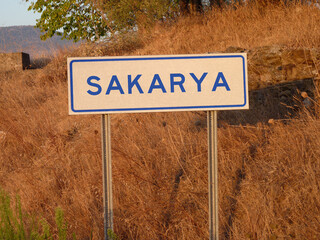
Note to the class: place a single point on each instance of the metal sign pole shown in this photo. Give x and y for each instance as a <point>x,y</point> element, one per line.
<point>213,175</point>
<point>106,174</point>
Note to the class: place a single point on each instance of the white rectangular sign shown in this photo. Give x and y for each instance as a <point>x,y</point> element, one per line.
<point>157,83</point>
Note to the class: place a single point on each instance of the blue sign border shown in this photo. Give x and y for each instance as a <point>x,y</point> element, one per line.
<point>156,108</point>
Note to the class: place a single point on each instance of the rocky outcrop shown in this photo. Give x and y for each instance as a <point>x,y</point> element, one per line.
<point>280,101</point>
<point>282,82</point>
<point>272,65</point>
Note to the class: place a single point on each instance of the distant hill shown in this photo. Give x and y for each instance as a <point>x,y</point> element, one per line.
<point>27,39</point>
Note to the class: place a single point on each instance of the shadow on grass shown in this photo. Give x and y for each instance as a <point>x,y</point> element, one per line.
<point>39,62</point>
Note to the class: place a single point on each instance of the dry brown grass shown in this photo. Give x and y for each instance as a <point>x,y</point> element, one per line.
<point>268,174</point>
<point>244,26</point>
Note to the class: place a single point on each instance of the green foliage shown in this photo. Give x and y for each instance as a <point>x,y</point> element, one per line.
<point>12,223</point>
<point>78,19</point>
<point>93,19</point>
<point>61,224</point>
<point>112,235</point>
<point>40,231</point>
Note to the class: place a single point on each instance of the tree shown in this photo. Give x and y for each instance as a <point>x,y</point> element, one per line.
<point>218,3</point>
<point>93,19</point>
<point>128,14</point>
<point>190,6</point>
<point>77,19</point>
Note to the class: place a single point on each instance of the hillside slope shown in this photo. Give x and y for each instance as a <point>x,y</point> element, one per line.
<point>269,173</point>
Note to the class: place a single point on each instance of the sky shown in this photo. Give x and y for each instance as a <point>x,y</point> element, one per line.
<point>15,13</point>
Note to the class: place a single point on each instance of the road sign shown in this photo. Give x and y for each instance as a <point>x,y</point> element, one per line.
<point>102,85</point>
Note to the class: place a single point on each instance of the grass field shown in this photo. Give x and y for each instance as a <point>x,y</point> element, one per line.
<point>269,174</point>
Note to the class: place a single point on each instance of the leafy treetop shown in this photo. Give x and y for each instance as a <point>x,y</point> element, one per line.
<point>92,19</point>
